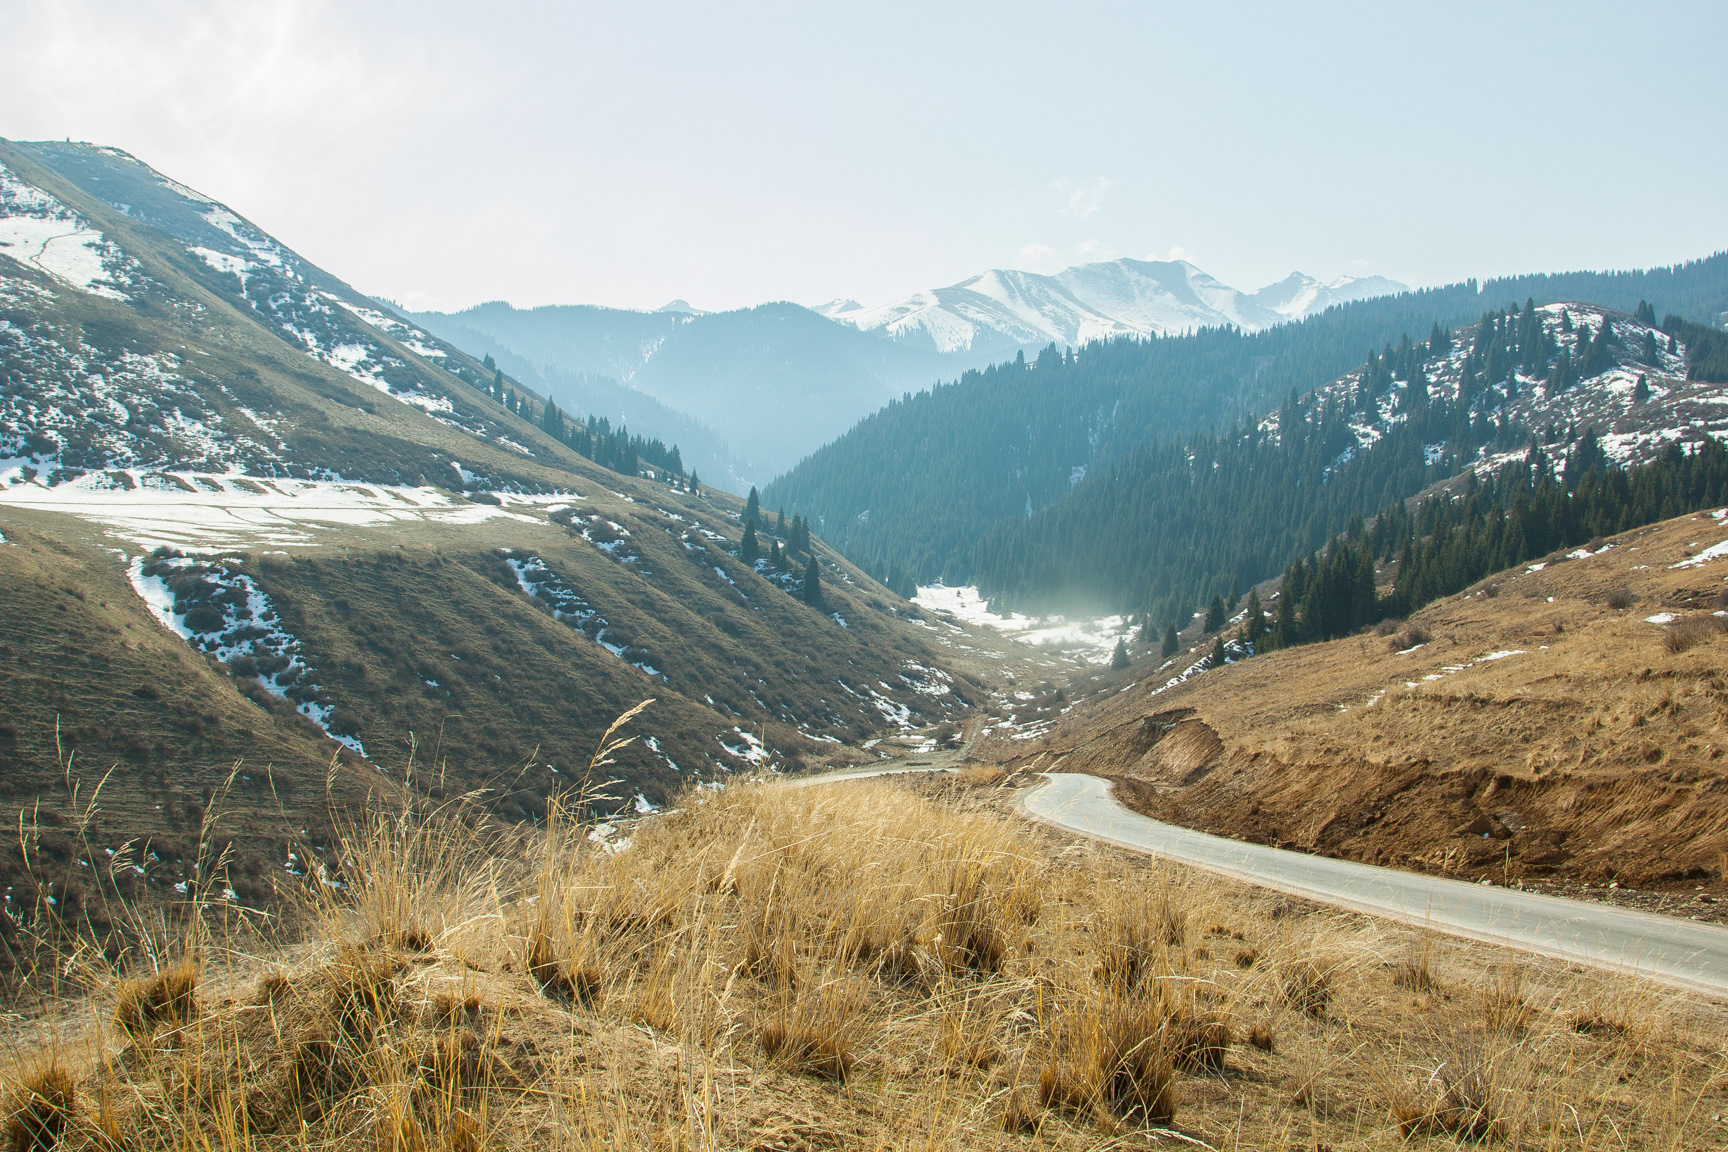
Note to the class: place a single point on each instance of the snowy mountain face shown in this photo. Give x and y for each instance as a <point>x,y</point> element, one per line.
<point>144,325</point>
<point>1093,302</point>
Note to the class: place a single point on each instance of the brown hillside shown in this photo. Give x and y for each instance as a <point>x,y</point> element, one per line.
<point>1539,732</point>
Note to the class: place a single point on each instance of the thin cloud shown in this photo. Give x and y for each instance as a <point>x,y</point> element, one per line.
<point>1081,201</point>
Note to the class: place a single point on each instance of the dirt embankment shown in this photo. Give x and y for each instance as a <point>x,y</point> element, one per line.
<point>1540,734</point>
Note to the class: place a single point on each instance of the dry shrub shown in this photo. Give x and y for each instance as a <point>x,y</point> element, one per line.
<point>577,982</point>
<point>1388,627</point>
<point>1461,1098</point>
<point>41,1105</point>
<point>1260,1036</point>
<point>1619,598</point>
<point>1021,1115</point>
<point>1503,1006</point>
<point>1112,1056</point>
<point>1410,637</point>
<point>815,1029</point>
<point>1684,635</point>
<point>1417,974</point>
<point>168,996</point>
<point>981,775</point>
<point>1307,986</point>
<point>967,1039</point>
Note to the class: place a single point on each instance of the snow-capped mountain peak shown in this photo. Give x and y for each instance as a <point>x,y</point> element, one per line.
<point>1095,301</point>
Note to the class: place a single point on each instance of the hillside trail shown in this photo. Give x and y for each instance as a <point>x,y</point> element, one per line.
<point>1672,951</point>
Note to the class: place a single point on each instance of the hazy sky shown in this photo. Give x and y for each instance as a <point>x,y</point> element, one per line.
<point>447,153</point>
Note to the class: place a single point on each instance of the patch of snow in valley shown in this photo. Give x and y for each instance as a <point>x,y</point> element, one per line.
<point>1090,640</point>
<point>214,512</point>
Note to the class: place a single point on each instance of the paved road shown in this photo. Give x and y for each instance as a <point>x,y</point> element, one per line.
<point>1661,947</point>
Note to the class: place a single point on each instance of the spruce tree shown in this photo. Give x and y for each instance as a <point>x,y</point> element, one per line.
<point>1171,643</point>
<point>695,484</point>
<point>498,384</point>
<point>1217,658</point>
<point>1254,627</point>
<point>752,507</point>
<point>748,550</point>
<point>776,558</point>
<point>1215,614</point>
<point>1119,658</point>
<point>811,593</point>
<point>1642,392</point>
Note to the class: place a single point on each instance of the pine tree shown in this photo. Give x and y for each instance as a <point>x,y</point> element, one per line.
<point>1119,658</point>
<point>1217,658</point>
<point>1215,614</point>
<point>1254,626</point>
<point>811,593</point>
<point>1284,632</point>
<point>748,549</point>
<point>1171,643</point>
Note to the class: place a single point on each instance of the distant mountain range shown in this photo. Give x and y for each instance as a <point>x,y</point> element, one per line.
<point>747,394</point>
<point>1008,310</point>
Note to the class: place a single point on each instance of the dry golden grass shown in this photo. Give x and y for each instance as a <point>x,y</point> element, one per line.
<point>853,965</point>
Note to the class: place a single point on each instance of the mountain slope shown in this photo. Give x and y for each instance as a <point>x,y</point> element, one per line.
<point>772,383</point>
<point>915,486</point>
<point>211,448</point>
<point>1166,527</point>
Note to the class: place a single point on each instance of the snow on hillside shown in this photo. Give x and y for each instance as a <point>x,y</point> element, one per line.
<point>1096,301</point>
<point>1632,428</point>
<point>215,513</point>
<point>311,309</point>
<point>38,230</point>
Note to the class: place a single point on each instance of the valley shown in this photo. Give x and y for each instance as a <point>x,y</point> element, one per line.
<point>415,741</point>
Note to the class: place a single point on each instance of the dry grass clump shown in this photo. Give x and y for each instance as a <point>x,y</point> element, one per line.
<point>981,775</point>
<point>1401,634</point>
<point>1307,985</point>
<point>144,1003</point>
<point>1461,1097</point>
<point>1619,599</point>
<point>40,1106</point>
<point>1684,635</point>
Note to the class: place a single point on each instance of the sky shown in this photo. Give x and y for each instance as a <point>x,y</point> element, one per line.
<point>442,154</point>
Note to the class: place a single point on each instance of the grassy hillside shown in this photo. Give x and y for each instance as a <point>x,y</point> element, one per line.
<point>250,517</point>
<point>1565,723</point>
<point>856,965</point>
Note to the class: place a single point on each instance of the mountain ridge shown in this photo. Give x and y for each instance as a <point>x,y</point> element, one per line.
<point>1088,302</point>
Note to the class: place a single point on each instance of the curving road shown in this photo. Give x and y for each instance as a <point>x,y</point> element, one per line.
<point>1664,948</point>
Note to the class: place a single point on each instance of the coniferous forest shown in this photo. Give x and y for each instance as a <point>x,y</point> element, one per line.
<point>933,486</point>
